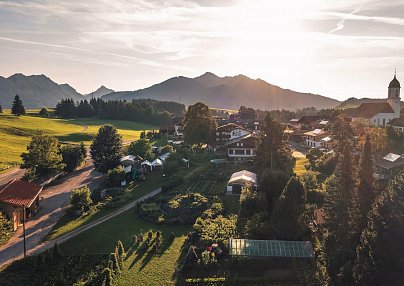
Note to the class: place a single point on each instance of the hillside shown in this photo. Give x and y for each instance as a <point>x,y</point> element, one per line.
<point>227,92</point>
<point>353,102</point>
<point>35,90</point>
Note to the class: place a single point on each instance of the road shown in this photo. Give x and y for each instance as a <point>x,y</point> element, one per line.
<point>16,173</point>
<point>53,202</point>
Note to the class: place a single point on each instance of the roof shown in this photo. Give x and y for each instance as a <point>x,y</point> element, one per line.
<point>228,125</point>
<point>309,119</point>
<point>394,83</point>
<point>270,248</point>
<point>389,161</point>
<point>243,177</point>
<point>369,109</point>
<point>397,122</point>
<point>316,133</point>
<point>19,193</point>
<point>235,140</point>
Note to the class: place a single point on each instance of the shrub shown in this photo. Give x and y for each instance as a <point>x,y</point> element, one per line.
<point>107,277</point>
<point>121,251</point>
<point>115,177</point>
<point>113,263</point>
<point>80,198</point>
<point>134,239</point>
<point>73,156</point>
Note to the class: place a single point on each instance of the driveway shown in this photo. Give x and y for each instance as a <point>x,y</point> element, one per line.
<point>53,201</point>
<point>16,173</point>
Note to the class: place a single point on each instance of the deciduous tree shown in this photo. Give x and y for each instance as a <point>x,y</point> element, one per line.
<point>106,148</point>
<point>199,126</point>
<point>43,156</point>
<point>142,148</point>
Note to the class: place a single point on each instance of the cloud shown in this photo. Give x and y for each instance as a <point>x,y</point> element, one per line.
<point>340,24</point>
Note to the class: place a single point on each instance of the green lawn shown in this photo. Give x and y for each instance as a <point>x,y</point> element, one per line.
<point>16,132</point>
<point>140,267</point>
<point>299,168</point>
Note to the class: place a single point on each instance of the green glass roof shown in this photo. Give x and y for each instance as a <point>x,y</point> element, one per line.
<point>270,248</point>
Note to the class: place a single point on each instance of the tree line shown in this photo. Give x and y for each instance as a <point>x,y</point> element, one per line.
<point>141,110</point>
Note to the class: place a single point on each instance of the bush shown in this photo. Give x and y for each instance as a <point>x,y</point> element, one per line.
<point>43,112</point>
<point>80,198</point>
<point>115,177</point>
<point>107,277</point>
<point>73,156</point>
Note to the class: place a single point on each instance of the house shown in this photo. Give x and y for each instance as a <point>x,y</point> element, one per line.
<point>242,148</point>
<point>297,136</point>
<point>178,130</point>
<point>20,199</point>
<point>388,166</point>
<point>314,138</point>
<point>310,122</point>
<point>167,129</point>
<point>229,131</point>
<point>379,114</point>
<point>397,124</point>
<point>239,180</point>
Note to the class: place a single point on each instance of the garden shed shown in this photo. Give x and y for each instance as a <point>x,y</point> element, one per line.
<point>239,180</point>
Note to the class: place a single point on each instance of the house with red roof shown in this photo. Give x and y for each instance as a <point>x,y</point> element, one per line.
<point>20,198</point>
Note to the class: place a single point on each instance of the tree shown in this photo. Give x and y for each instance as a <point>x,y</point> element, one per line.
<point>173,164</point>
<point>107,274</point>
<point>167,149</point>
<point>272,183</point>
<point>273,152</point>
<point>199,126</point>
<point>367,188</point>
<point>73,156</point>
<point>309,180</point>
<point>43,112</point>
<point>17,107</point>
<point>142,148</point>
<point>80,198</point>
<point>115,177</point>
<point>43,156</point>
<point>106,148</point>
<point>247,113</point>
<point>378,139</point>
<point>341,202</point>
<point>286,220</point>
<point>66,108</point>
<point>85,109</point>
<point>1,108</point>
<point>379,256</point>
<point>6,226</point>
<point>342,133</point>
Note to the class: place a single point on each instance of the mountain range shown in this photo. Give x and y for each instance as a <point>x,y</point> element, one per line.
<point>226,92</point>
<point>220,92</point>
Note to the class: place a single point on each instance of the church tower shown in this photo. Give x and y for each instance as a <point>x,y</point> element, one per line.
<point>394,96</point>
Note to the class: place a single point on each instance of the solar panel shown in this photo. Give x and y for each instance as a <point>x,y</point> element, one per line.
<point>391,157</point>
<point>270,248</point>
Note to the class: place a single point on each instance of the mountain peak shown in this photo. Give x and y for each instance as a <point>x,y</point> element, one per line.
<point>102,90</point>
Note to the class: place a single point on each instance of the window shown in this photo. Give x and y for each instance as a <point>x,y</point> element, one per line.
<point>231,152</point>
<point>241,144</point>
<point>217,139</point>
<point>217,133</point>
<point>240,152</point>
<point>248,152</point>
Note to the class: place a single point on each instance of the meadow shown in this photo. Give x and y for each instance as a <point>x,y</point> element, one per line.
<point>16,132</point>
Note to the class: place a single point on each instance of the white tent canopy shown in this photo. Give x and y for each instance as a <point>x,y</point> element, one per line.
<point>243,177</point>
<point>157,162</point>
<point>146,162</point>
<point>127,158</point>
<point>164,156</point>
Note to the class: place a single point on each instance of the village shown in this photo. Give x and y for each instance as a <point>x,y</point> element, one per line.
<point>234,192</point>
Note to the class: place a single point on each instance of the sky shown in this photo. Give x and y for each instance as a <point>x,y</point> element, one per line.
<point>336,48</point>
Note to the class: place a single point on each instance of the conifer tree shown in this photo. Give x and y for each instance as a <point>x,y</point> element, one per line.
<point>18,107</point>
<point>379,256</point>
<point>1,108</point>
<point>341,218</point>
<point>366,189</point>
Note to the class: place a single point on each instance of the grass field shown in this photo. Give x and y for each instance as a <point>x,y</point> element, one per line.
<point>16,132</point>
<point>301,160</point>
<point>140,267</point>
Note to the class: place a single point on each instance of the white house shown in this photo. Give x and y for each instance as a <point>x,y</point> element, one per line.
<point>239,132</point>
<point>242,148</point>
<point>239,180</point>
<point>315,138</point>
<point>379,114</point>
<point>397,124</point>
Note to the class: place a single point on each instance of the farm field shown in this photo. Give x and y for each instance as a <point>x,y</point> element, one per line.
<point>16,132</point>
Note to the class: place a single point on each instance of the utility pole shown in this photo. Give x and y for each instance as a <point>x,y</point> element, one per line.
<point>23,229</point>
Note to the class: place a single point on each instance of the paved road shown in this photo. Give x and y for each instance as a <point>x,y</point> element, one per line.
<point>16,173</point>
<point>49,244</point>
<point>54,200</point>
